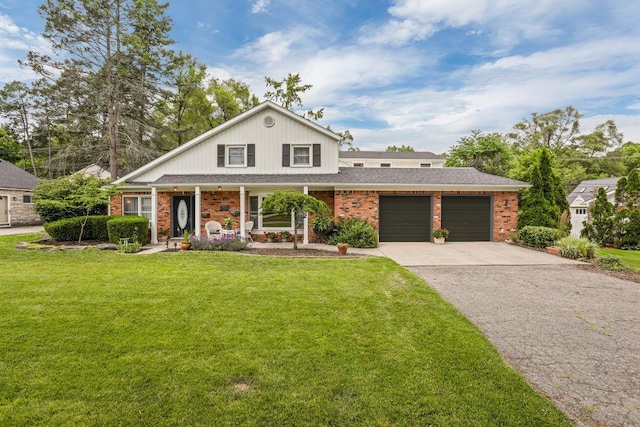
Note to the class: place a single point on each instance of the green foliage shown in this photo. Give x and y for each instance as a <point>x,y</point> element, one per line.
<point>601,227</point>
<point>577,248</point>
<point>357,233</point>
<point>537,237</point>
<point>611,262</point>
<point>287,93</point>
<point>127,247</point>
<point>10,149</point>
<point>627,228</point>
<point>71,196</point>
<point>402,148</point>
<point>133,228</point>
<point>487,153</point>
<point>543,204</point>
<point>69,229</point>
<point>287,202</point>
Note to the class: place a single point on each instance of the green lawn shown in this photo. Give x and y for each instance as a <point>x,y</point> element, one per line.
<point>630,259</point>
<point>95,338</point>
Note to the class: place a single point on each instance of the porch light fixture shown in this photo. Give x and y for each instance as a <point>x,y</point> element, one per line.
<point>219,188</point>
<point>175,188</point>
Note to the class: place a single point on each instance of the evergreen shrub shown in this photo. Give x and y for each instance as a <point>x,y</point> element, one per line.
<point>69,229</point>
<point>357,233</point>
<point>134,228</point>
<point>538,237</point>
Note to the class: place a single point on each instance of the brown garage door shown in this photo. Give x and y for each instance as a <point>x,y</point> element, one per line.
<point>468,218</point>
<point>405,218</point>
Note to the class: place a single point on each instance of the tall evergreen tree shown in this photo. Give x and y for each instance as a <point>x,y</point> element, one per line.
<point>543,203</point>
<point>601,213</point>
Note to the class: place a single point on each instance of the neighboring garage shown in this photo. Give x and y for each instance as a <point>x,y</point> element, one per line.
<point>405,218</point>
<point>468,218</point>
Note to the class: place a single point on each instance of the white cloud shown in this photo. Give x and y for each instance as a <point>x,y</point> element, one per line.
<point>15,41</point>
<point>260,6</point>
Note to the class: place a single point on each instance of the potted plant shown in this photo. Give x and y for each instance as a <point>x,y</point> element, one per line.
<point>271,236</point>
<point>186,243</point>
<point>342,248</point>
<point>439,235</point>
<point>284,235</point>
<point>228,223</point>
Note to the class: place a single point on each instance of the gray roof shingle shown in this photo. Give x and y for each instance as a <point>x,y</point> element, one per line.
<point>13,177</point>
<point>355,176</point>
<point>588,189</point>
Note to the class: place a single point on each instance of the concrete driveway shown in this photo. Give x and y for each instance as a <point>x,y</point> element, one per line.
<point>10,231</point>
<point>466,253</point>
<point>574,334</point>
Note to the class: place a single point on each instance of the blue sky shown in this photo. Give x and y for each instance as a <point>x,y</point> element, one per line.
<point>413,72</point>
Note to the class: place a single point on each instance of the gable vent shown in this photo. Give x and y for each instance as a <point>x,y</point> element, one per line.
<point>269,121</point>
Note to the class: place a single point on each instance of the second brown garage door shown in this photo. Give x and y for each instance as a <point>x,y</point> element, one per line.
<point>468,218</point>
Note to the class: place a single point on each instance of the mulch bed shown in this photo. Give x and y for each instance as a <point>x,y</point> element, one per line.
<point>301,253</point>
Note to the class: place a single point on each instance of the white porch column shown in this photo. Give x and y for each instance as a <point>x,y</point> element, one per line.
<point>305,239</point>
<point>242,209</point>
<point>198,213</point>
<point>154,215</point>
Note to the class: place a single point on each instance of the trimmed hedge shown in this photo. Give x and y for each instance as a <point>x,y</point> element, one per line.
<point>134,228</point>
<point>538,237</point>
<point>69,229</point>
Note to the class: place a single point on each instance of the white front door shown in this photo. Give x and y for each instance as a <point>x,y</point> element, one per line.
<point>4,210</point>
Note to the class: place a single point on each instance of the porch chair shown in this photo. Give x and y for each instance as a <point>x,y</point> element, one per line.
<point>214,229</point>
<point>248,226</point>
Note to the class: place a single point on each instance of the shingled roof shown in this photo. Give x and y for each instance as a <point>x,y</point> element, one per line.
<point>355,176</point>
<point>588,189</point>
<point>12,177</point>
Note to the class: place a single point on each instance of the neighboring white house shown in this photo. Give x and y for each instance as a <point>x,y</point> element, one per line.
<point>582,197</point>
<point>390,159</point>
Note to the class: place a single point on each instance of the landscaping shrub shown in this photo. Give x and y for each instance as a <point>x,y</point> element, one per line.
<point>134,228</point>
<point>537,237</point>
<point>576,248</point>
<point>357,233</point>
<point>611,262</point>
<point>69,229</point>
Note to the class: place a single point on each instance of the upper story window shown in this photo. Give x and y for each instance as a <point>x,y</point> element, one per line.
<point>385,165</point>
<point>236,155</point>
<point>301,155</point>
<point>425,165</point>
<point>581,211</point>
<point>358,165</point>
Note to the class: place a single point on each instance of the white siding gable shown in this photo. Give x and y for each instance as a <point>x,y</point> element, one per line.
<point>200,156</point>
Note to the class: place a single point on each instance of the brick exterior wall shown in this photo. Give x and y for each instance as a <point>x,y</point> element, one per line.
<point>343,203</point>
<point>21,213</point>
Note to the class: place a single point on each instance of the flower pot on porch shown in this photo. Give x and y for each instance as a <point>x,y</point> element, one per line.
<point>342,249</point>
<point>186,246</point>
<point>438,240</point>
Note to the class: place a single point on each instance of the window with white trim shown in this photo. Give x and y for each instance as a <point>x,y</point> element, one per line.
<point>581,211</point>
<point>358,165</point>
<point>27,199</point>
<point>236,155</point>
<point>385,165</point>
<point>425,165</point>
<point>136,205</point>
<point>301,155</point>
